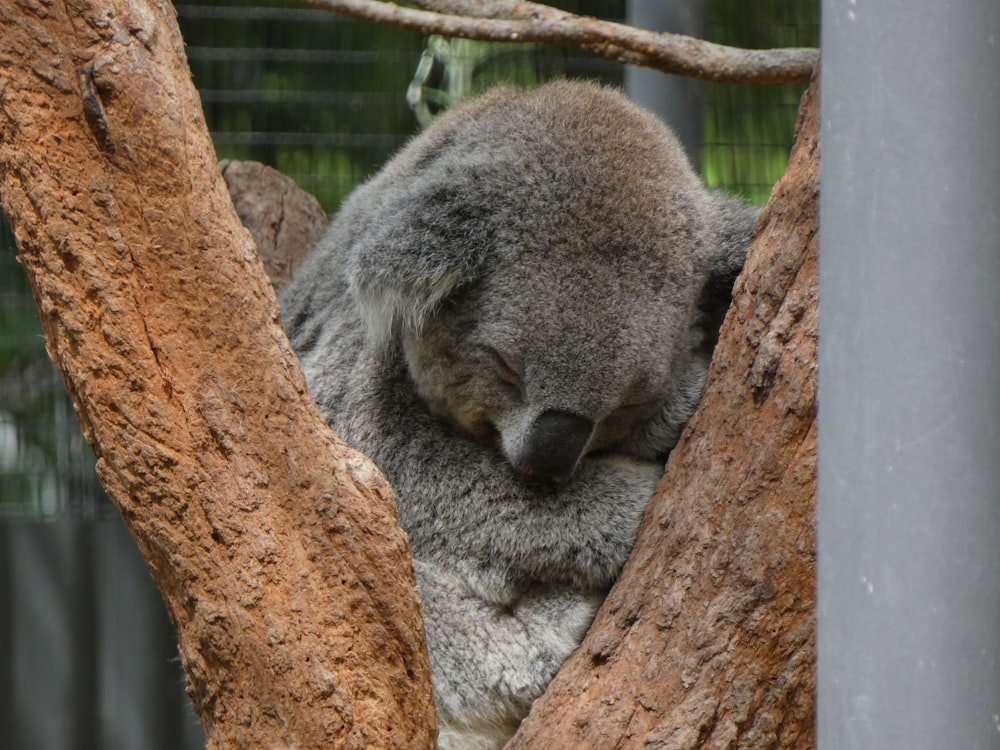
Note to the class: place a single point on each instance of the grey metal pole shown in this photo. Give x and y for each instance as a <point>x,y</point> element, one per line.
<point>679,101</point>
<point>909,421</point>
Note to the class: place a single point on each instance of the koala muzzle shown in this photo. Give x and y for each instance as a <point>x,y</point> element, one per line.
<point>554,446</point>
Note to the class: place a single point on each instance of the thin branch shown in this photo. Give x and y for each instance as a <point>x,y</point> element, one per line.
<point>507,21</point>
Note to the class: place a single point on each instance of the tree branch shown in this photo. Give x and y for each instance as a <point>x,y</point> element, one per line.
<point>531,22</point>
<point>275,547</point>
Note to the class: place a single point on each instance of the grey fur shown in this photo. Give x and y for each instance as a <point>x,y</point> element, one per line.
<point>536,281</point>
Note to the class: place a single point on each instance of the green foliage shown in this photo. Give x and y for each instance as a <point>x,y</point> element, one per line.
<point>749,130</point>
<point>323,98</point>
<point>451,70</point>
<point>317,96</point>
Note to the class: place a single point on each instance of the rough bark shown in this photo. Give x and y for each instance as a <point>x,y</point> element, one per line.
<point>276,548</point>
<point>284,220</point>
<point>707,640</point>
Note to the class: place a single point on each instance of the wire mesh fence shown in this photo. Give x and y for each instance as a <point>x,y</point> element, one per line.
<point>323,99</point>
<point>46,467</point>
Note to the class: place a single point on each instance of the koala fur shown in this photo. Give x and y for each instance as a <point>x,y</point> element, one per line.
<point>514,319</point>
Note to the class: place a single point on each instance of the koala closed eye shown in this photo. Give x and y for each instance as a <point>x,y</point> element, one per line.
<point>507,369</point>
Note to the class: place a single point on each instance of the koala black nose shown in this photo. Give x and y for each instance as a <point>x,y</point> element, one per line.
<point>554,446</point>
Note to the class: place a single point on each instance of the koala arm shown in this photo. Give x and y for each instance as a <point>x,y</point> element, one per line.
<point>491,662</point>
<point>467,510</point>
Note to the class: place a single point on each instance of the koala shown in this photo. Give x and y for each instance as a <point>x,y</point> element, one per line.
<point>514,320</point>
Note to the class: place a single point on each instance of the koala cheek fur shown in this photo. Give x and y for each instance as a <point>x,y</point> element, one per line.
<point>514,319</point>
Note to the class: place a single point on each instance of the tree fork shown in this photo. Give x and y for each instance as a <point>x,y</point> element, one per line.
<point>276,547</point>
<point>708,637</point>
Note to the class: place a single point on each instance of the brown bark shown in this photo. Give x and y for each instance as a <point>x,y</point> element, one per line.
<point>276,548</point>
<point>707,639</point>
<point>284,220</point>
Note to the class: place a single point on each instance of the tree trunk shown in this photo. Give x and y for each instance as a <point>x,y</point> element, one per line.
<point>708,638</point>
<point>284,220</point>
<point>276,547</point>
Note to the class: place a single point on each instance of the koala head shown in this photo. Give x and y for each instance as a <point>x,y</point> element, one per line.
<point>548,361</point>
<point>547,262</point>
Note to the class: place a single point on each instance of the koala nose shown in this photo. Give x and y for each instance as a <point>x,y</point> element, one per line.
<point>554,446</point>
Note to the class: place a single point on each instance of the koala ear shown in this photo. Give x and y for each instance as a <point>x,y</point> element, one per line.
<point>407,261</point>
<point>734,229</point>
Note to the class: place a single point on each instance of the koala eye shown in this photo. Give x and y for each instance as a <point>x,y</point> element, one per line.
<point>506,369</point>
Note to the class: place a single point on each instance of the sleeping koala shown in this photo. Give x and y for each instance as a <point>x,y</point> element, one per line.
<point>514,319</point>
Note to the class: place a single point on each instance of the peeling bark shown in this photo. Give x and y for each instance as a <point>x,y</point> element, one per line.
<point>708,638</point>
<point>276,547</point>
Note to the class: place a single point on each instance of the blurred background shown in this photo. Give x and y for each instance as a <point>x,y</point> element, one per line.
<point>88,658</point>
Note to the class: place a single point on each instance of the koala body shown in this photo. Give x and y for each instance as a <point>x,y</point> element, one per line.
<point>514,319</point>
